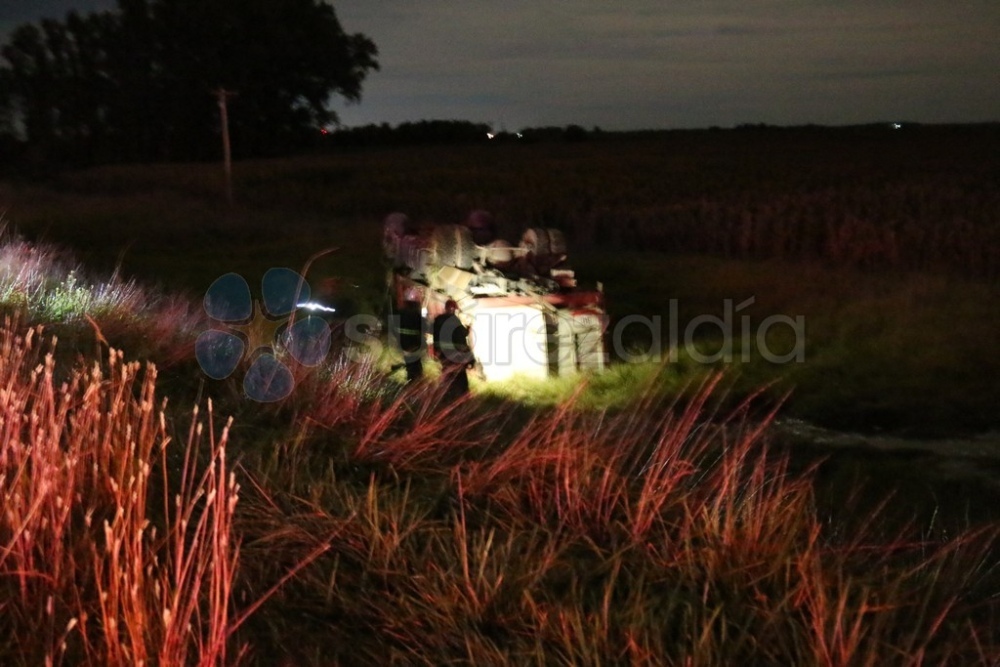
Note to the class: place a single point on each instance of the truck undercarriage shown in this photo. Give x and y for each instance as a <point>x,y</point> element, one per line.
<point>527,315</point>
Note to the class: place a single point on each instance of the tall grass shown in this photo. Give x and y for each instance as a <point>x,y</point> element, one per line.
<point>660,534</point>
<point>387,525</point>
<point>392,527</point>
<point>115,549</point>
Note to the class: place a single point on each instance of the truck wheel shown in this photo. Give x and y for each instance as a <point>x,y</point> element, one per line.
<point>453,246</point>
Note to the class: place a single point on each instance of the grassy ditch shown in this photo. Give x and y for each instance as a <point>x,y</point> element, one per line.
<point>391,527</point>
<point>361,522</point>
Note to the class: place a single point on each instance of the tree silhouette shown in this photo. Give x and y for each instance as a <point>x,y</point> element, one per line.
<point>139,82</point>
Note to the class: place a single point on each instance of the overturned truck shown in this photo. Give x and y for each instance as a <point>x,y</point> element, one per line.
<point>526,313</point>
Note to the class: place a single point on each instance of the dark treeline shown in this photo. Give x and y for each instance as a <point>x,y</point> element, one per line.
<point>142,83</point>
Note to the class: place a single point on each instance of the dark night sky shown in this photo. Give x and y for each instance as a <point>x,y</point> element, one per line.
<point>659,64</point>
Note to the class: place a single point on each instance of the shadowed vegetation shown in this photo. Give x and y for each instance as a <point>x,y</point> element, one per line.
<point>420,532</point>
<point>892,344</point>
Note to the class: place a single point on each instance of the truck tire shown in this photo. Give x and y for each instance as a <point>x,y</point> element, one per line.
<point>453,246</point>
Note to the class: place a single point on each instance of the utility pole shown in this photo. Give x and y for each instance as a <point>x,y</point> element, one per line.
<point>223,96</point>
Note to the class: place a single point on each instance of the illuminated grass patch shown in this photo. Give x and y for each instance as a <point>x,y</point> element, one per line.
<point>619,386</point>
<point>42,281</point>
